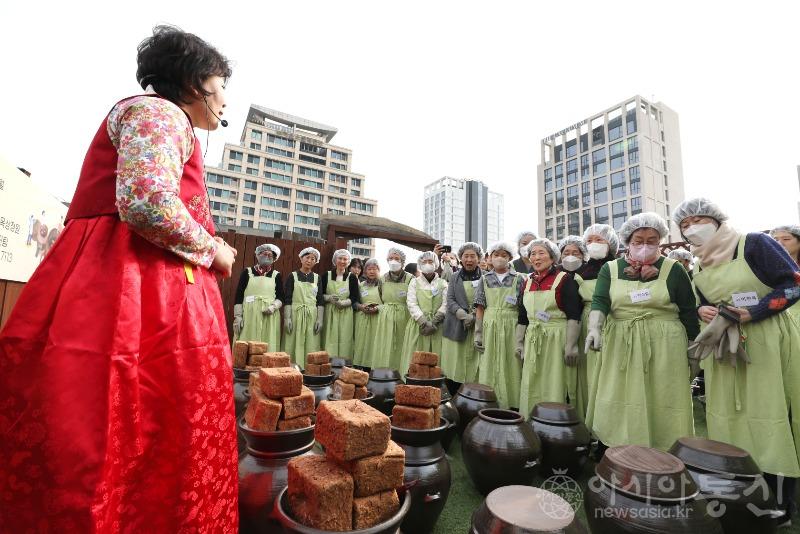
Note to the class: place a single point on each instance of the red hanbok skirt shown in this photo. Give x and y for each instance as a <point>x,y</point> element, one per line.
<point>116,402</point>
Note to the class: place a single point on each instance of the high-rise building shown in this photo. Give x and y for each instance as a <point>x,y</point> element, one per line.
<point>609,166</point>
<point>460,210</point>
<point>283,175</point>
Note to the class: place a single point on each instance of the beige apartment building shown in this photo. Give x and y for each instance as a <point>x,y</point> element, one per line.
<point>609,166</point>
<point>283,175</point>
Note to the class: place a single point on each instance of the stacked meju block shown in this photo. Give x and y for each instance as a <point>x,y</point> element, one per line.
<point>278,400</point>
<point>416,407</point>
<point>424,365</point>
<point>351,384</point>
<point>353,486</point>
<point>248,353</point>
<point>318,363</point>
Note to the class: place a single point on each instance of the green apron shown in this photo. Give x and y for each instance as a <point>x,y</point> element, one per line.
<point>643,395</point>
<point>748,405</point>
<point>366,326</point>
<point>499,367</point>
<point>302,340</point>
<point>429,300</point>
<point>545,376</point>
<point>588,365</point>
<point>388,343</point>
<point>459,359</point>
<point>258,295</point>
<point>337,326</point>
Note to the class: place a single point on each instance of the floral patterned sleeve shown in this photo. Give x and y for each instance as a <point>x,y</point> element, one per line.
<point>154,139</point>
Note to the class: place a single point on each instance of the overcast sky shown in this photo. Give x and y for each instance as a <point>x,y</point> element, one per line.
<point>419,90</point>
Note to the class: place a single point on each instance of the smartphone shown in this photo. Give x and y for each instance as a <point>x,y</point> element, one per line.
<point>446,249</point>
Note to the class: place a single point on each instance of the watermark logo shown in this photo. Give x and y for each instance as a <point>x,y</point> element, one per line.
<point>570,493</point>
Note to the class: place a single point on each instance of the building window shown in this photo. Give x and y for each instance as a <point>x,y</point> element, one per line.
<point>234,168</point>
<point>314,173</point>
<point>356,182</point>
<point>252,172</point>
<point>236,156</point>
<point>276,202</point>
<point>560,201</point>
<point>335,201</point>
<point>338,155</point>
<point>633,174</point>
<point>222,193</point>
<point>283,141</point>
<point>248,197</point>
<point>254,160</point>
<point>246,223</point>
<point>572,171</point>
<point>664,165</point>
<point>222,206</point>
<point>616,154</point>
<point>587,219</point>
<point>548,204</point>
<point>250,184</point>
<point>598,131</point>
<point>308,232</point>
<point>585,166</point>
<point>599,161</point>
<point>269,227</point>
<point>630,117</point>
<point>558,152</point>
<point>334,211</point>
<point>224,220</point>
<point>276,190</point>
<point>572,198</point>
<point>219,179</point>
<point>633,150</point>
<point>559,175</point>
<point>572,148</point>
<point>619,213</point>
<point>313,149</point>
<point>600,190</point>
<point>355,192</point>
<point>614,125</point>
<point>361,206</point>
<point>305,195</point>
<point>584,142</point>
<point>340,166</point>
<point>662,136</point>
<point>280,152</point>
<point>275,215</point>
<point>255,146</point>
<point>280,165</point>
<point>255,134</point>
<point>586,193</point>
<point>560,228</point>
<point>574,223</point>
<point>618,184</point>
<point>601,214</point>
<point>308,208</point>
<point>636,206</point>
<point>309,183</point>
<point>363,252</point>
<point>338,178</point>
<point>312,159</point>
<point>548,179</point>
<point>248,210</point>
<point>277,177</point>
<point>337,189</point>
<point>302,219</point>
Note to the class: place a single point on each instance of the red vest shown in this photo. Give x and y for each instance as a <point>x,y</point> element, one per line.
<point>96,191</point>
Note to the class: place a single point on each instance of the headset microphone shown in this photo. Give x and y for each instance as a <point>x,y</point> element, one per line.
<point>222,122</point>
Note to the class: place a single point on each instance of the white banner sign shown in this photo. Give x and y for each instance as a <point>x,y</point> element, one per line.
<point>30,221</point>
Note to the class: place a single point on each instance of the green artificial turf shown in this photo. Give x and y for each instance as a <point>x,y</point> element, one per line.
<point>464,498</point>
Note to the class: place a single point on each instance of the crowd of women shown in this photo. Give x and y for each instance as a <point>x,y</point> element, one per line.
<point>602,321</point>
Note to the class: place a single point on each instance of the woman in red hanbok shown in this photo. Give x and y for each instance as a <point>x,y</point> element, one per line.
<point>116,407</point>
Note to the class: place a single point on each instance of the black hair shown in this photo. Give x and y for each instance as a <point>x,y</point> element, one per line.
<point>354,262</point>
<point>177,63</point>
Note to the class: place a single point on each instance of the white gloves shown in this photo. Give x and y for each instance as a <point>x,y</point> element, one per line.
<point>329,299</point>
<point>571,352</point>
<point>238,320</point>
<point>344,303</point>
<point>320,316</point>
<point>478,338</point>
<point>272,308</point>
<point>710,339</point>
<point>438,318</point>
<point>519,352</point>
<point>467,319</point>
<point>287,319</point>
<point>594,334</point>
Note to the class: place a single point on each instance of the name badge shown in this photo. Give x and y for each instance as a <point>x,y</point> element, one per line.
<point>250,298</point>
<point>512,299</point>
<point>434,291</point>
<point>364,293</point>
<point>641,295</point>
<point>476,283</point>
<point>743,300</point>
<point>314,290</point>
<point>543,316</point>
<point>401,294</point>
<point>342,290</point>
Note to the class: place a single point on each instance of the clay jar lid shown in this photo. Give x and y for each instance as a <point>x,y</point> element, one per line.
<point>433,382</point>
<point>555,413</point>
<point>341,362</point>
<point>384,374</point>
<point>646,473</point>
<point>317,380</point>
<point>479,392</point>
<point>529,509</point>
<point>242,375</point>
<point>715,456</point>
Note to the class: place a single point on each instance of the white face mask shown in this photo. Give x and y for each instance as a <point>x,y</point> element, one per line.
<point>426,268</point>
<point>643,253</point>
<point>597,251</point>
<point>394,265</point>
<point>499,263</point>
<point>700,234</point>
<point>571,263</point>
<point>265,261</point>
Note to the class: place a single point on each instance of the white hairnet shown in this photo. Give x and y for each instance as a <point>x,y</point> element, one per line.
<point>428,256</point>
<point>605,231</point>
<point>511,248</point>
<point>524,234</point>
<point>548,245</point>
<point>680,255</point>
<point>698,207</point>
<point>276,252</point>
<point>647,219</point>
<point>574,240</point>
<point>395,250</point>
<point>342,252</point>
<point>470,245</point>
<point>371,261</point>
<point>789,228</point>
<point>309,250</point>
